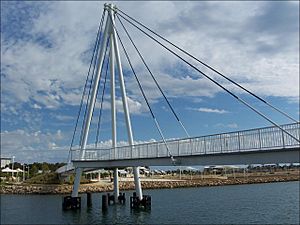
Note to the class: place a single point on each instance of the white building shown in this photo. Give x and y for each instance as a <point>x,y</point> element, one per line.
<point>5,161</point>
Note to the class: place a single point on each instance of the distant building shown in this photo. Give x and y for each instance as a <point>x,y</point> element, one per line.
<point>5,161</point>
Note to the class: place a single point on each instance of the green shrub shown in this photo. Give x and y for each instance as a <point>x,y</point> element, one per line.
<point>48,178</point>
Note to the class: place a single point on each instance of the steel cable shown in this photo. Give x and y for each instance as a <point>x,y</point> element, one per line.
<point>101,105</point>
<point>144,95</point>
<point>221,86</point>
<point>155,81</point>
<point>86,81</point>
<point>211,68</point>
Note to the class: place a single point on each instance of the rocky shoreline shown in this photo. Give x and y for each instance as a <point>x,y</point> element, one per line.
<point>128,185</point>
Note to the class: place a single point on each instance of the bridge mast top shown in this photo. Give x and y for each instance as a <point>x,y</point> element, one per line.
<point>110,7</point>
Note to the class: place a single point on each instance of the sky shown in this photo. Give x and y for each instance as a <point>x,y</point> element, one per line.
<point>46,48</point>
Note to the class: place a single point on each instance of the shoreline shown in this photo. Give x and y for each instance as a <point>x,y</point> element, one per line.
<point>43,189</point>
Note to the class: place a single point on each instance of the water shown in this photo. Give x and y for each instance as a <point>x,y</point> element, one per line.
<point>273,203</point>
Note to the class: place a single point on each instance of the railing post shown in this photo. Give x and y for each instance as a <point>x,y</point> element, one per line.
<point>259,139</point>
<point>167,152</point>
<point>204,145</point>
<point>139,152</point>
<point>283,144</point>
<point>239,141</point>
<point>221,143</point>
<point>147,151</point>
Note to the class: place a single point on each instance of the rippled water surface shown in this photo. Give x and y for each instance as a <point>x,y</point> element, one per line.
<point>243,204</point>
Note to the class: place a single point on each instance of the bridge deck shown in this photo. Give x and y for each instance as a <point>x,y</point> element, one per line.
<point>255,140</point>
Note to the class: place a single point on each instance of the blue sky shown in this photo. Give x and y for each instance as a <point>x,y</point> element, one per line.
<point>46,49</point>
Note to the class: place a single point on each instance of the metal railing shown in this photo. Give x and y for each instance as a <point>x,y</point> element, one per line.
<point>267,138</point>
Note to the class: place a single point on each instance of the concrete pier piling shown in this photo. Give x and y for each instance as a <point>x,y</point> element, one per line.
<point>89,198</point>
<point>70,202</point>
<point>111,198</point>
<point>104,202</point>
<point>136,203</point>
<point>122,198</point>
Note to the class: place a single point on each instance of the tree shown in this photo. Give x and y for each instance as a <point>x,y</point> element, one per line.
<point>45,167</point>
<point>33,169</point>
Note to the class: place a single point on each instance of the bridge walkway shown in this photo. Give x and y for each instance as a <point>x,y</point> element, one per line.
<point>246,142</point>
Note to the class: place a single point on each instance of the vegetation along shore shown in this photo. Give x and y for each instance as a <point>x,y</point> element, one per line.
<point>41,178</point>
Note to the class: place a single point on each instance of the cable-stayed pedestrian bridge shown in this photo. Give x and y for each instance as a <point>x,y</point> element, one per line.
<point>279,143</point>
<point>262,145</point>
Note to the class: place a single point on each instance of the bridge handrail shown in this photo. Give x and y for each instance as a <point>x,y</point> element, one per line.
<point>189,138</point>
<point>220,143</point>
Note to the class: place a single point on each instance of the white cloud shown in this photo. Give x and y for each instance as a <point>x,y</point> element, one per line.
<point>232,125</point>
<point>229,125</point>
<point>32,146</point>
<point>135,107</point>
<point>59,72</point>
<point>64,118</point>
<point>209,110</point>
<point>108,144</point>
<point>36,106</point>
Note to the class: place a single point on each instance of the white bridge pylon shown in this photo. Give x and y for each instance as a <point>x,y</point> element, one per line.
<point>109,33</point>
